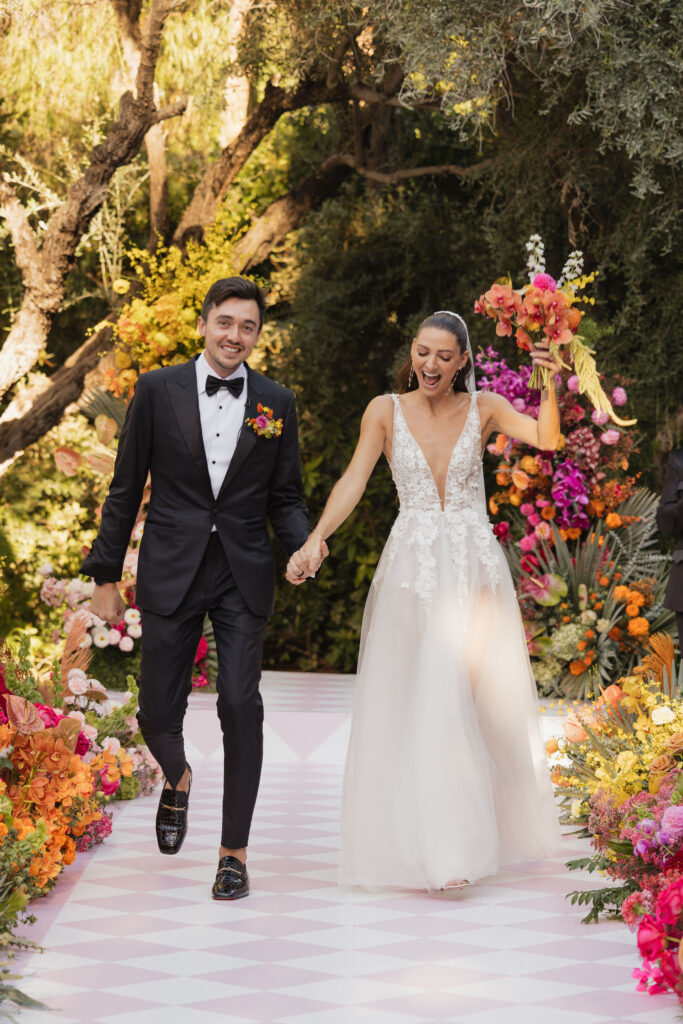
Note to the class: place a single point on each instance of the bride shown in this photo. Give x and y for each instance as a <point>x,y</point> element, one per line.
<point>446,775</point>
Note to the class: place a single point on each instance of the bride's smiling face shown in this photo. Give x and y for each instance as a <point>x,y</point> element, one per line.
<point>436,359</point>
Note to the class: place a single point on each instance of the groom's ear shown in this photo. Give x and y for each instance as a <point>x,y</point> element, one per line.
<point>201,327</point>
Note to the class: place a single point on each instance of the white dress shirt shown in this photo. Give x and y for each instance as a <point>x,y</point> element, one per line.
<point>221,416</point>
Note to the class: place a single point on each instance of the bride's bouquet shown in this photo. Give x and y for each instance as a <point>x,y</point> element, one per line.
<point>549,310</point>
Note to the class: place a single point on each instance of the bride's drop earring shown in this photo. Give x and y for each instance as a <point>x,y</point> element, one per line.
<point>411,376</point>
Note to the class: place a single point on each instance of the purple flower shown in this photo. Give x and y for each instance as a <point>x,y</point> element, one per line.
<point>599,417</point>
<point>664,838</point>
<point>570,494</point>
<point>641,847</point>
<point>573,383</point>
<point>648,825</point>
<point>619,396</point>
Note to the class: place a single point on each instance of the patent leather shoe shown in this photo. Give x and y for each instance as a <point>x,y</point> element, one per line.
<point>232,880</point>
<point>171,823</point>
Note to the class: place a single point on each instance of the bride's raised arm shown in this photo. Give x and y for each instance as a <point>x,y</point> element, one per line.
<point>500,416</point>
<point>375,430</point>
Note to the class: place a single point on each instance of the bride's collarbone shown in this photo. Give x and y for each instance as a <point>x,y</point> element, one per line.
<point>436,432</point>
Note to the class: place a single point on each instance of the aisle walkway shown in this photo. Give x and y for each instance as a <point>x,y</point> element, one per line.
<point>134,938</point>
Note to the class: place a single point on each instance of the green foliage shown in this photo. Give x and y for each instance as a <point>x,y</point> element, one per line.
<point>602,902</point>
<point>113,667</point>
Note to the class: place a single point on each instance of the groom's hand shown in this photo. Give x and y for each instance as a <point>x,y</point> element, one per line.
<point>305,562</point>
<point>107,603</point>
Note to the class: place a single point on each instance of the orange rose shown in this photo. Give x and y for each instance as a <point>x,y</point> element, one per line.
<point>493,508</point>
<point>662,764</point>
<point>551,746</point>
<point>502,477</point>
<point>573,318</point>
<point>612,520</point>
<point>574,532</point>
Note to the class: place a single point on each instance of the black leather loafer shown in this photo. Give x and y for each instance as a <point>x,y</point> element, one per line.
<point>171,821</point>
<point>232,880</point>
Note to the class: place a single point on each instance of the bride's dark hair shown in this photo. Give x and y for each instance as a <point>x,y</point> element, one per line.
<point>445,322</point>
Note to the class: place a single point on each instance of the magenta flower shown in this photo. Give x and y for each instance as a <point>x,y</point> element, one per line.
<point>526,508</point>
<point>619,396</point>
<point>599,417</point>
<point>528,543</point>
<point>502,531</point>
<point>545,282</point>
<point>262,422</point>
<point>573,383</point>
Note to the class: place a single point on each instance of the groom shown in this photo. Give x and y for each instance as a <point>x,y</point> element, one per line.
<point>216,475</point>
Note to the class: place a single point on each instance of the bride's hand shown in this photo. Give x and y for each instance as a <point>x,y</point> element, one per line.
<point>541,356</point>
<point>305,562</point>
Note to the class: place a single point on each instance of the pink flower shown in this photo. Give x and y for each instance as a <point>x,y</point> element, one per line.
<point>542,502</point>
<point>542,530</point>
<point>519,404</point>
<point>599,417</point>
<point>106,785</point>
<point>672,820</point>
<point>670,904</point>
<point>114,637</point>
<point>262,422</point>
<point>528,543</point>
<point>126,644</point>
<point>619,396</point>
<point>202,650</point>
<point>82,744</point>
<point>651,938</point>
<point>631,909</point>
<point>502,532</point>
<point>573,383</point>
<point>545,282</point>
<point>610,437</point>
<point>49,716</point>
<point>534,519</point>
<point>526,508</point>
<point>111,743</point>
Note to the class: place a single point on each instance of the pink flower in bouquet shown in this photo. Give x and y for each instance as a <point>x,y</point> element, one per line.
<point>528,543</point>
<point>599,417</point>
<point>672,821</point>
<point>90,732</point>
<point>632,908</point>
<point>619,396</point>
<point>542,530</point>
<point>502,532</point>
<point>545,282</point>
<point>651,938</point>
<point>573,383</point>
<point>49,716</point>
<point>82,744</point>
<point>534,519</point>
<point>526,508</point>
<point>111,743</point>
<point>610,437</point>
<point>670,904</point>
<point>114,637</point>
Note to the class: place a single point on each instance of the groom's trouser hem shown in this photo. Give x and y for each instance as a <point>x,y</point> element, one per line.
<point>169,644</point>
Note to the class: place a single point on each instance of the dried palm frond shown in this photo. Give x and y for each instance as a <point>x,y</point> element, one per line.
<point>589,380</point>
<point>659,661</point>
<point>74,654</point>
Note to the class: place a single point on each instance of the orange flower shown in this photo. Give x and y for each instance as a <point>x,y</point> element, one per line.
<point>551,745</point>
<point>613,520</point>
<point>612,693</point>
<point>574,532</point>
<point>639,627</point>
<point>573,317</point>
<point>603,581</point>
<point>635,597</point>
<point>566,618</point>
<point>520,479</point>
<point>503,477</point>
<point>515,499</point>
<point>632,609</point>
<point>615,633</point>
<point>493,507</point>
<point>573,729</point>
<point>548,512</point>
<point>621,593</point>
<point>590,633</point>
<point>582,645</point>
<point>577,667</point>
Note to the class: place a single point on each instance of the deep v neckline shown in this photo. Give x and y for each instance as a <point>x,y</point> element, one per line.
<point>424,457</point>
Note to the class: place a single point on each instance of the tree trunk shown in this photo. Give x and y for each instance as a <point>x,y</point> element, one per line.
<point>155,146</point>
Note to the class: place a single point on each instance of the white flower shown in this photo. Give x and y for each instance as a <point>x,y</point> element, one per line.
<point>588,617</point>
<point>602,625</point>
<point>135,630</point>
<point>95,684</point>
<point>535,260</point>
<point>108,706</point>
<point>132,616</point>
<point>111,743</point>
<point>573,267</point>
<point>45,569</point>
<point>76,673</point>
<point>97,621</point>
<point>660,716</point>
<point>89,588</point>
<point>82,701</point>
<point>86,641</point>
<point>126,644</point>
<point>114,637</point>
<point>78,716</point>
<point>90,732</point>
<point>576,808</point>
<point>74,586</point>
<point>130,562</point>
<point>78,686</point>
<point>87,758</point>
<point>100,636</point>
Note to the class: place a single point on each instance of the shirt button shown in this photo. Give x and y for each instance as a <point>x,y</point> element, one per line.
<point>213,462</point>
<point>218,435</point>
<point>220,406</point>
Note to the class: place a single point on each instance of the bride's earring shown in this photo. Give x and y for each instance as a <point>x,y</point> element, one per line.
<point>411,376</point>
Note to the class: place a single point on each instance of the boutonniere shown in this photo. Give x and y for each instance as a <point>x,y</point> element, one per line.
<point>264,425</point>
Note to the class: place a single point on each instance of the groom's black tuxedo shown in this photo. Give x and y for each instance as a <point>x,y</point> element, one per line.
<point>186,571</point>
<point>162,435</point>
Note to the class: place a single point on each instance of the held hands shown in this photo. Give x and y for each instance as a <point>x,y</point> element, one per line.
<point>107,603</point>
<point>305,562</point>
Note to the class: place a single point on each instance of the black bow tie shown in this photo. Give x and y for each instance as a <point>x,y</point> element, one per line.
<point>233,384</point>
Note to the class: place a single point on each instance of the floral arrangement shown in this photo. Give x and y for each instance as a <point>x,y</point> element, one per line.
<point>549,309</point>
<point>264,425</point>
<point>201,675</point>
<point>619,775</point>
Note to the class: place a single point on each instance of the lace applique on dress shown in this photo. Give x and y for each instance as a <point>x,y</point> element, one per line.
<point>421,517</point>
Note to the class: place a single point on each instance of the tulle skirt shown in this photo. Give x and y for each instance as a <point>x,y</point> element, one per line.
<point>446,775</point>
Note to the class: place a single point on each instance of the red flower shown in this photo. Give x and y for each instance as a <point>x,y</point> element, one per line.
<point>651,938</point>
<point>502,532</point>
<point>670,904</point>
<point>202,650</point>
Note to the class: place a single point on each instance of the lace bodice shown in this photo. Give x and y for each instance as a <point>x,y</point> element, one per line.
<point>414,480</point>
<point>422,520</point>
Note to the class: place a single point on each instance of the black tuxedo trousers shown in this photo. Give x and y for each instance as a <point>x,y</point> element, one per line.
<point>168,650</point>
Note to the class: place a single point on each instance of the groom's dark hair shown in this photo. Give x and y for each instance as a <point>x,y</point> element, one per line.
<point>233,288</point>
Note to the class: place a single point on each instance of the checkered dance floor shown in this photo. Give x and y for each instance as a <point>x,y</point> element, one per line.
<point>132,937</point>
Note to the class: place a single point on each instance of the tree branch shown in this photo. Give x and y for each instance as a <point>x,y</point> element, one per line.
<point>392,177</point>
<point>24,241</point>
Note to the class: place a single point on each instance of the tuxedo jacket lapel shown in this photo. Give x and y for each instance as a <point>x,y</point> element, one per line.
<point>246,438</point>
<point>182,392</point>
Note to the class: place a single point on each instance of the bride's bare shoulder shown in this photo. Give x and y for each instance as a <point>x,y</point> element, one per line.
<point>380,408</point>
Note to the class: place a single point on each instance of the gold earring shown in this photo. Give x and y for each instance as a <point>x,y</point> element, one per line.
<point>411,376</point>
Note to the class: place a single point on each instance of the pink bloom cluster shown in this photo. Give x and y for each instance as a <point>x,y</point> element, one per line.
<point>96,832</point>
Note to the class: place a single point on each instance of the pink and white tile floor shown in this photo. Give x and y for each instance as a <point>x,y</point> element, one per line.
<point>132,937</point>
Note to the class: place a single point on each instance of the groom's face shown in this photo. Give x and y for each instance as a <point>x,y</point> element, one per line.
<point>230,332</point>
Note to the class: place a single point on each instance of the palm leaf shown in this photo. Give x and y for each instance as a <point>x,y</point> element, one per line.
<point>97,402</point>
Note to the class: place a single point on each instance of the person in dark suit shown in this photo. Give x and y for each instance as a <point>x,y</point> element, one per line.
<point>670,522</point>
<point>219,468</point>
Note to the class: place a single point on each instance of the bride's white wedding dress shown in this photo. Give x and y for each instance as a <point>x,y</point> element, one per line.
<point>446,775</point>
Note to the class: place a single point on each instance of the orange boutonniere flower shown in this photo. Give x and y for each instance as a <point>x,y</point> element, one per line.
<point>264,425</point>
